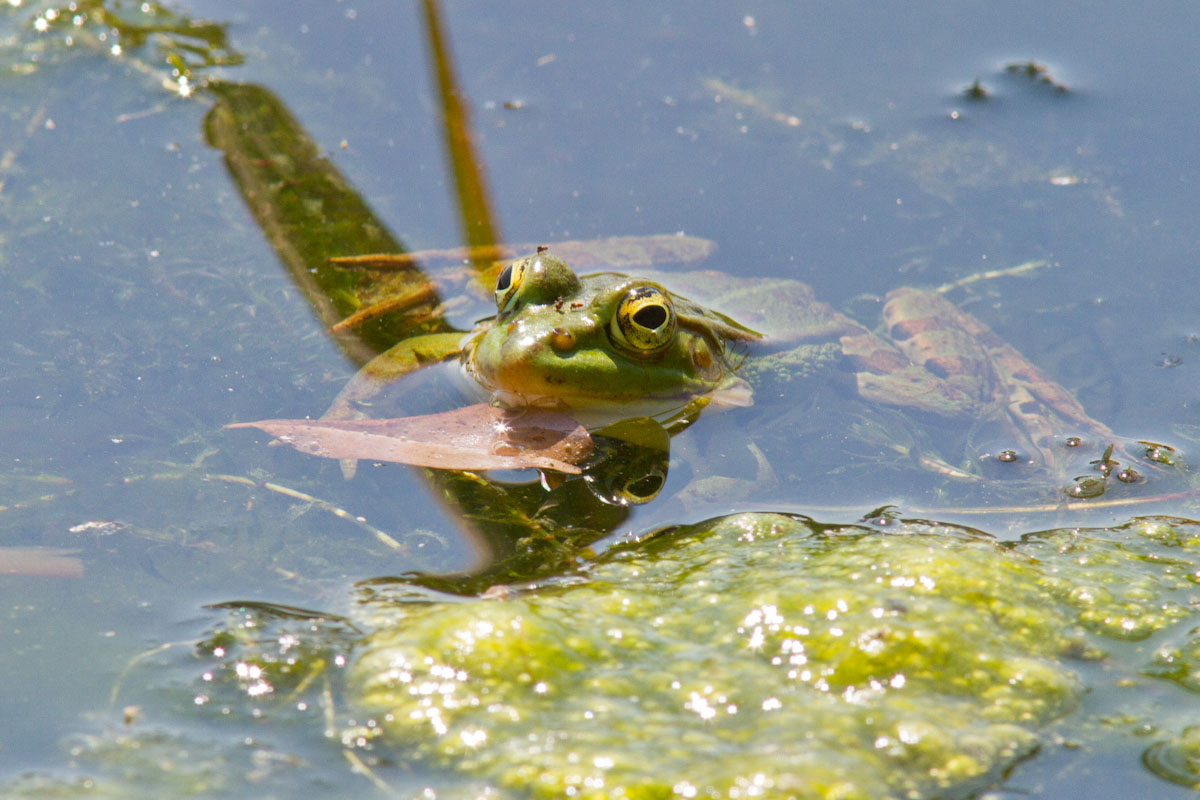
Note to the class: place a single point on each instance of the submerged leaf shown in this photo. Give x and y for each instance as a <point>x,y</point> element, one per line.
<point>474,437</point>
<point>613,252</point>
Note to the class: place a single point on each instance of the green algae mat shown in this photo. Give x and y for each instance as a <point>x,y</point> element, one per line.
<point>763,655</point>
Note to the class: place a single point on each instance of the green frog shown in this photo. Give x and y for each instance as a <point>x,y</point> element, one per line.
<point>609,345</point>
<point>601,343</point>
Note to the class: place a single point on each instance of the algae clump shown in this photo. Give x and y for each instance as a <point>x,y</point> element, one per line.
<point>764,655</point>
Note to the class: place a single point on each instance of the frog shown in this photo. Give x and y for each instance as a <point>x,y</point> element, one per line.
<point>606,345</point>
<point>601,343</point>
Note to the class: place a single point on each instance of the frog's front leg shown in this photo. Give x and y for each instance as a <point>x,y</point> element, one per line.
<point>389,366</point>
<point>384,369</point>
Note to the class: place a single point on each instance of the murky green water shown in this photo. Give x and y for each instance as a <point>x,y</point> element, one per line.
<point>223,619</point>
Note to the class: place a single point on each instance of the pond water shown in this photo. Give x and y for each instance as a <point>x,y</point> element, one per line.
<point>192,613</point>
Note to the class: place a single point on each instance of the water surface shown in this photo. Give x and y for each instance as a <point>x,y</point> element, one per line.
<point>146,308</point>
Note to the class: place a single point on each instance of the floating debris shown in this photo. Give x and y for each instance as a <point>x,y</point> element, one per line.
<point>1035,71</point>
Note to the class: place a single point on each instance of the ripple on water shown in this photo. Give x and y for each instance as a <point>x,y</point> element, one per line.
<point>1176,759</point>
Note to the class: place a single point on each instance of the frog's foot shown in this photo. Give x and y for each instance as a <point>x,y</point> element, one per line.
<point>357,396</point>
<point>961,350</point>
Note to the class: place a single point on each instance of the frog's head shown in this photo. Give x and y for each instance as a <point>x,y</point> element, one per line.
<point>599,340</point>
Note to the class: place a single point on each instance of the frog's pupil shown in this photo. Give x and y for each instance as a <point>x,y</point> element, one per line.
<point>645,488</point>
<point>650,317</point>
<point>504,279</point>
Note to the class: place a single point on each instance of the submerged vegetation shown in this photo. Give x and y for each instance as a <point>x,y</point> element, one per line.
<point>38,33</point>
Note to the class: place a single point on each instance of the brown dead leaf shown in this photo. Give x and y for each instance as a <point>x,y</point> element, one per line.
<point>471,438</point>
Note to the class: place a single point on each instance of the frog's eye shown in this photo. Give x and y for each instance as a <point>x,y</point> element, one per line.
<point>508,285</point>
<point>645,320</point>
<point>536,280</point>
<point>643,489</point>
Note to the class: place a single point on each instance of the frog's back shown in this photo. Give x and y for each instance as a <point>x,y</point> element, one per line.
<point>785,311</point>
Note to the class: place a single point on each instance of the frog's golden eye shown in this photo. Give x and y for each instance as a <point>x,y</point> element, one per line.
<point>639,489</point>
<point>534,281</point>
<point>645,320</point>
<point>508,285</point>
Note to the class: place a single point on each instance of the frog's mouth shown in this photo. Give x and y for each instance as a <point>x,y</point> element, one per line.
<point>621,390</point>
<point>600,412</point>
<point>594,410</point>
